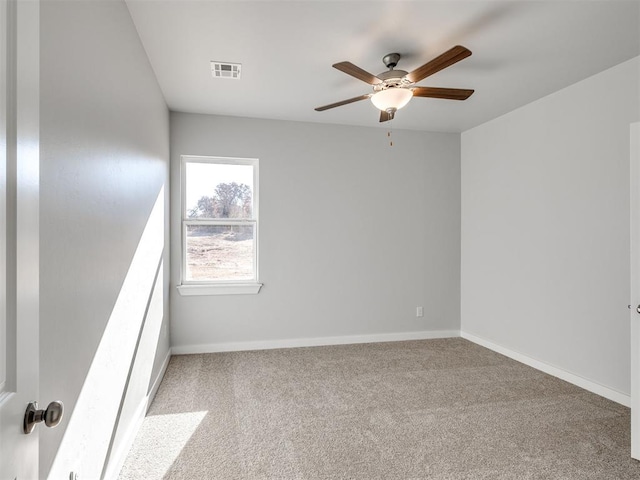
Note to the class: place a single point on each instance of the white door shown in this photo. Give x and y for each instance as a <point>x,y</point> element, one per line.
<point>19,243</point>
<point>635,290</point>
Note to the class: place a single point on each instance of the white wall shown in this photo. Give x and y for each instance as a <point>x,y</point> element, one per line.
<point>104,219</point>
<point>354,234</point>
<point>545,228</point>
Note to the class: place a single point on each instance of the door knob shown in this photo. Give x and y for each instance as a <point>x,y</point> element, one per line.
<point>51,416</point>
<point>638,309</point>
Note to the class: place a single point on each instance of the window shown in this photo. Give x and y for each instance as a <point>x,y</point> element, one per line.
<point>219,225</point>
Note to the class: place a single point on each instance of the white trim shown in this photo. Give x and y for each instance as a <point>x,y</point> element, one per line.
<point>3,198</point>
<point>254,220</point>
<point>560,373</point>
<point>219,289</point>
<point>5,396</point>
<point>312,342</point>
<point>118,459</point>
<point>572,378</point>
<point>156,384</point>
<point>116,464</point>
<point>218,159</point>
<point>634,169</point>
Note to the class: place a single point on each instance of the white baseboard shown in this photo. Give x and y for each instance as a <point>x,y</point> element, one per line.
<point>560,373</point>
<point>117,460</point>
<point>577,380</point>
<point>158,381</point>
<point>311,342</point>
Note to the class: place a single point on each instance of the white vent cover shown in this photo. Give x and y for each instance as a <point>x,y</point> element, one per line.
<point>226,70</point>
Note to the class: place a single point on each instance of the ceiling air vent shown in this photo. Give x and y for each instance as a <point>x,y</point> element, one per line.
<point>226,70</point>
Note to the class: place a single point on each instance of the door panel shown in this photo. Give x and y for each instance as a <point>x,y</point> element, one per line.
<point>635,290</point>
<point>19,156</point>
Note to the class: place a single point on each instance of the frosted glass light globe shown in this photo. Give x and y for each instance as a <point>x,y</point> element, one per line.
<point>394,98</point>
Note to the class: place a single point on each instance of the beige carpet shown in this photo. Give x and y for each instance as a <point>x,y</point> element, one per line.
<point>433,409</point>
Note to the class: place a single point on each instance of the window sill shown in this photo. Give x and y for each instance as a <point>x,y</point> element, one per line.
<point>227,289</point>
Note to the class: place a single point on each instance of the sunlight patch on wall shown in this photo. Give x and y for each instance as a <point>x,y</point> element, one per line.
<point>90,426</point>
<point>135,401</point>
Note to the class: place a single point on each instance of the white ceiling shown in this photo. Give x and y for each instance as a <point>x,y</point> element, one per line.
<point>522,50</point>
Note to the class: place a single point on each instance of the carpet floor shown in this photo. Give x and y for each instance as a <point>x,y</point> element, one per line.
<point>431,409</point>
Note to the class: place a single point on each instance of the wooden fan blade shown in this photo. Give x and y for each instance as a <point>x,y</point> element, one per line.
<point>350,69</point>
<point>448,58</point>
<point>448,93</point>
<point>343,102</point>
<point>385,116</point>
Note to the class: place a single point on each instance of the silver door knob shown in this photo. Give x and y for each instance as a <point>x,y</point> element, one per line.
<point>638,309</point>
<point>51,416</point>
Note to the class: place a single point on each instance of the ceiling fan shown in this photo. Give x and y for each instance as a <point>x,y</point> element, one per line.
<point>393,89</point>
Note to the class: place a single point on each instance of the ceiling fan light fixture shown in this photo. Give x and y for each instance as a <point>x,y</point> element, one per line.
<point>393,89</point>
<point>391,98</point>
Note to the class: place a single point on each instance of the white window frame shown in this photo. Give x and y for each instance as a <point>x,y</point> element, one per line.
<point>218,287</point>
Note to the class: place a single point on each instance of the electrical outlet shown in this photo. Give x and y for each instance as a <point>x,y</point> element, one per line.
<point>419,311</point>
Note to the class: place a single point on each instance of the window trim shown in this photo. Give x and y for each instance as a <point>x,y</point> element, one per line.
<point>218,287</point>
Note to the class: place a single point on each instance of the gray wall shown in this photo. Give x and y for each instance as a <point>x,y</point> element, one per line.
<point>545,228</point>
<point>104,161</point>
<point>354,234</point>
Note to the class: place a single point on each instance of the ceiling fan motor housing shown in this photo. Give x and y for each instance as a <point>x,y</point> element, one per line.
<point>392,79</point>
<point>391,59</point>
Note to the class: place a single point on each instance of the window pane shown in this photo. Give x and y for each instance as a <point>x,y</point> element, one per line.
<point>220,252</point>
<point>215,190</point>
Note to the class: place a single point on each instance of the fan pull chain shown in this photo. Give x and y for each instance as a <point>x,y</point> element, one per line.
<point>390,132</point>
